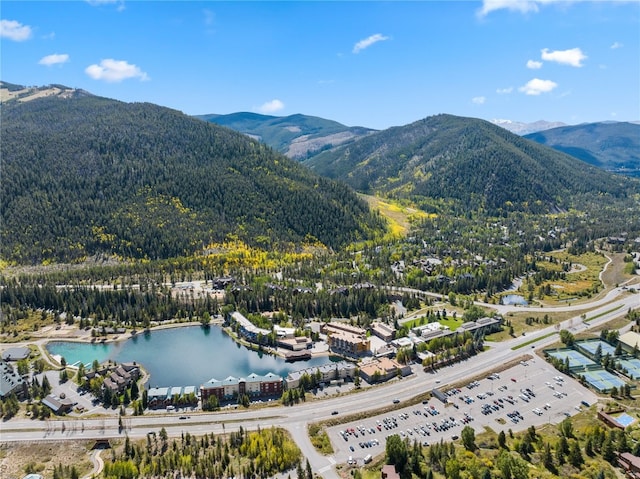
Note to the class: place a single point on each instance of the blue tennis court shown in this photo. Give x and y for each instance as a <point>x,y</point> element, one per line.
<point>576,359</point>
<point>592,346</point>
<point>625,420</point>
<point>602,379</point>
<point>632,366</point>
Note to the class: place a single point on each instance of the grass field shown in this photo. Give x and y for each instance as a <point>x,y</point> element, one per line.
<point>581,283</point>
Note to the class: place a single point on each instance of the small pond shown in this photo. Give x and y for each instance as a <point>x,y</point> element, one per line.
<point>514,299</point>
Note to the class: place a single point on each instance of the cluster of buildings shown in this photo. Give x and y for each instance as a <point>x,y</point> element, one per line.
<point>285,337</point>
<point>116,378</point>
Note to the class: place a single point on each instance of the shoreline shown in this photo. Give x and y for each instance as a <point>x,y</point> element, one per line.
<point>72,334</point>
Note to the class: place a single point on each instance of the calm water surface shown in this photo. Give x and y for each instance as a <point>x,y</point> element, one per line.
<point>187,356</point>
<point>514,299</point>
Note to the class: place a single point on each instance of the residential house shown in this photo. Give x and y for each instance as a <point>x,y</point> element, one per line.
<point>121,377</point>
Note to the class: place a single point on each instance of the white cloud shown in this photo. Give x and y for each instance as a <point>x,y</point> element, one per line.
<point>54,59</point>
<point>572,57</point>
<point>534,65</point>
<point>504,91</point>
<point>526,6</point>
<point>15,31</point>
<point>478,100</point>
<point>367,42</point>
<point>271,106</point>
<point>114,71</point>
<point>522,6</point>
<point>537,86</point>
<point>97,3</point>
<point>616,45</point>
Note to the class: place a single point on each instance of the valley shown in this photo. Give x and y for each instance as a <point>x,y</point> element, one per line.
<point>426,256</point>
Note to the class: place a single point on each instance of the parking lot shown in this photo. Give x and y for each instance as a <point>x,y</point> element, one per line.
<point>531,393</point>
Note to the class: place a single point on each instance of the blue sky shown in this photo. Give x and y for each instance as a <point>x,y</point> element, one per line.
<point>374,64</point>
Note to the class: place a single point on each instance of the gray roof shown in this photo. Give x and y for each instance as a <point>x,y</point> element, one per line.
<point>16,354</point>
<point>10,380</point>
<point>189,390</point>
<point>158,392</point>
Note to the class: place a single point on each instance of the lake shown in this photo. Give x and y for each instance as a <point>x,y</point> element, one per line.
<point>187,356</point>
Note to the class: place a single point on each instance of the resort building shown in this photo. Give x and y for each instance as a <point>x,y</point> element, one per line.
<point>171,396</point>
<point>346,339</point>
<point>384,331</point>
<point>383,369</point>
<point>424,330</point>
<point>247,329</point>
<point>254,385</point>
<point>16,354</point>
<point>11,382</point>
<point>483,325</point>
<point>158,398</point>
<point>325,374</point>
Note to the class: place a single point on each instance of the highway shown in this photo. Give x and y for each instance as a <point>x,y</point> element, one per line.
<point>296,418</point>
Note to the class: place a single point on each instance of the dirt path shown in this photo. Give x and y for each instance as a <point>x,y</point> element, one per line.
<point>98,464</point>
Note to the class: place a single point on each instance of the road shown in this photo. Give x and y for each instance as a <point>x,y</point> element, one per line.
<point>296,419</point>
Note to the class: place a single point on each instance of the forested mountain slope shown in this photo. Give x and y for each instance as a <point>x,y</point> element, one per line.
<point>468,161</point>
<point>297,136</point>
<point>612,146</point>
<point>86,175</point>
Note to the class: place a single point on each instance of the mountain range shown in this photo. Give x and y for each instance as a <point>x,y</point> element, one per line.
<point>83,175</point>
<point>612,146</point>
<point>520,128</point>
<point>297,136</point>
<point>469,161</point>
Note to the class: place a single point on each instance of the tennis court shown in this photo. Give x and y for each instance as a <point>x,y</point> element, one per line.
<point>625,420</point>
<point>602,380</point>
<point>632,366</point>
<point>591,347</point>
<point>576,359</point>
